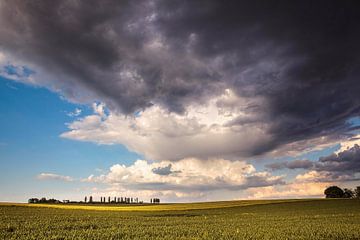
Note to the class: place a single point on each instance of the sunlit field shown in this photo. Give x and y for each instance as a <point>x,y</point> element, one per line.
<point>153,207</point>
<point>269,219</point>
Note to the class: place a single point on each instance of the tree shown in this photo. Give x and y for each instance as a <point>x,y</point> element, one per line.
<point>33,200</point>
<point>348,193</point>
<point>357,192</point>
<point>85,200</point>
<point>334,192</point>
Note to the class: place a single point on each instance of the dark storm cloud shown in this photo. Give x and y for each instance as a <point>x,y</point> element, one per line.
<point>302,57</point>
<point>342,166</point>
<point>347,161</point>
<point>296,164</point>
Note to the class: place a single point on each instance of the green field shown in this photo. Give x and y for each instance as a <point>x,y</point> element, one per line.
<point>284,219</point>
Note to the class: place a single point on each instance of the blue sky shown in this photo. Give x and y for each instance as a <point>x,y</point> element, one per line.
<point>32,119</point>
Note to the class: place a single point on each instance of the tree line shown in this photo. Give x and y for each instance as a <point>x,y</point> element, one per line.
<point>337,192</point>
<point>43,200</point>
<point>116,200</point>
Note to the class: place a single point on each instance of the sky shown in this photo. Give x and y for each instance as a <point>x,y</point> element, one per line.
<point>179,100</point>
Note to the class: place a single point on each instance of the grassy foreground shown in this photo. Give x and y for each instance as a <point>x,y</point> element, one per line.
<point>284,219</point>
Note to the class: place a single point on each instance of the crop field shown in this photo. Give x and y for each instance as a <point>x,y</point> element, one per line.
<point>268,219</point>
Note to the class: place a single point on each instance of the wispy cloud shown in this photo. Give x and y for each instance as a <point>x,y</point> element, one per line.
<point>53,176</point>
<point>75,113</point>
<point>295,164</point>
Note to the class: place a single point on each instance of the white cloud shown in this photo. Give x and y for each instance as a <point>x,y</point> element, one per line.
<point>194,180</point>
<point>346,145</point>
<point>52,176</point>
<point>75,113</point>
<point>312,176</point>
<point>205,131</point>
<point>186,176</point>
<point>291,190</point>
<point>224,127</point>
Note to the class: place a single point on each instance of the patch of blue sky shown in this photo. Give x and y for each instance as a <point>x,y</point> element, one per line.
<point>31,121</point>
<point>18,71</point>
<point>355,125</point>
<point>354,121</point>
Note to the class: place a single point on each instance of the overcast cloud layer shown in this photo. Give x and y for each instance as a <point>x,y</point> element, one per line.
<point>293,65</point>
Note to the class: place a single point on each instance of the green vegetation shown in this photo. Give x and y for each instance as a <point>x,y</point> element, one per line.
<point>304,219</point>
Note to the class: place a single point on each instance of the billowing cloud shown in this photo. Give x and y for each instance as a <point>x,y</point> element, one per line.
<point>349,143</point>
<point>53,176</point>
<point>290,85</point>
<point>337,167</point>
<point>345,161</point>
<point>203,132</point>
<point>187,175</point>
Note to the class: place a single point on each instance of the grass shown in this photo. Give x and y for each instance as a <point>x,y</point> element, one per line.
<point>270,219</point>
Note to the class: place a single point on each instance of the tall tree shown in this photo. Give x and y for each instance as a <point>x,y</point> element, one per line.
<point>334,192</point>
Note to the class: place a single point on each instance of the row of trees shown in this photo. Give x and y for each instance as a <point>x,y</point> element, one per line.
<point>125,200</point>
<point>155,200</point>
<point>43,200</point>
<point>336,192</point>
<point>114,200</point>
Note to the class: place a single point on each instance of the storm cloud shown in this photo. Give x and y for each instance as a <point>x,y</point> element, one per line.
<point>295,62</point>
<point>345,162</point>
<point>341,166</point>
